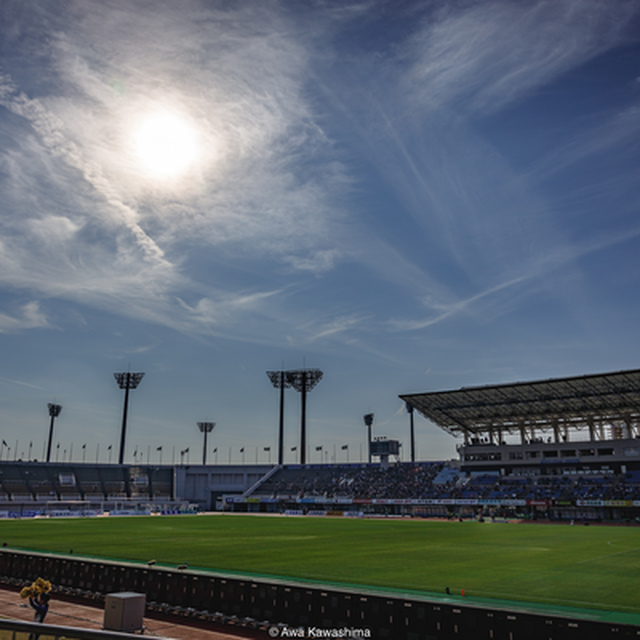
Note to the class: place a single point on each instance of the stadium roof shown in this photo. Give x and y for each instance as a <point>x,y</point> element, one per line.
<point>589,401</point>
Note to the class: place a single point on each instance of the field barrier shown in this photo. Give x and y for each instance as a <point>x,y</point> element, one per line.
<point>301,610</point>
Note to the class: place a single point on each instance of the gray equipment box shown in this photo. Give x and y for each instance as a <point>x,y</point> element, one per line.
<point>124,611</point>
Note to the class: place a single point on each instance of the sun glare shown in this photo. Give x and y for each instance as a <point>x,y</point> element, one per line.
<point>166,145</point>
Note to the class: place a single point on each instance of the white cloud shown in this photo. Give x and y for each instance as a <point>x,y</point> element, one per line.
<point>30,317</point>
<point>96,229</point>
<point>494,52</point>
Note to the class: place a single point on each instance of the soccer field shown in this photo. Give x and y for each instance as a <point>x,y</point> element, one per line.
<point>593,567</point>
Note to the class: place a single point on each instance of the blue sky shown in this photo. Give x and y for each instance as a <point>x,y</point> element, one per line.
<point>410,196</point>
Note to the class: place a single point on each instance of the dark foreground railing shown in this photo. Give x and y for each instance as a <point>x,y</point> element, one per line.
<point>20,630</point>
<point>286,608</point>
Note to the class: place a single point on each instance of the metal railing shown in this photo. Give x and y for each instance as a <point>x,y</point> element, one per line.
<point>21,630</point>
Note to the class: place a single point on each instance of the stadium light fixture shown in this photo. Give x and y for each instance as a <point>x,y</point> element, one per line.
<point>279,381</point>
<point>205,428</point>
<point>54,412</point>
<point>368,421</point>
<point>303,380</point>
<point>126,381</point>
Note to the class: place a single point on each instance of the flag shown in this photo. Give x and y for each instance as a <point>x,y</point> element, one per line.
<point>242,450</point>
<point>293,448</point>
<point>318,448</point>
<point>159,449</point>
<point>215,450</point>
<point>267,448</point>
<point>4,442</point>
<point>345,446</point>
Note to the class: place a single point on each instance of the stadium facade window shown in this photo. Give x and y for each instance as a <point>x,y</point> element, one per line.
<point>606,452</point>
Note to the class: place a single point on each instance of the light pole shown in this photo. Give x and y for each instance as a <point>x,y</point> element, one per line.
<point>413,438</point>
<point>279,381</point>
<point>54,412</point>
<point>126,381</point>
<point>303,380</point>
<point>205,427</point>
<point>368,421</point>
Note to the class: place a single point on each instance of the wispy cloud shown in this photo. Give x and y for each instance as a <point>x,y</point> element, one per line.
<point>22,383</point>
<point>29,317</point>
<point>486,55</point>
<point>266,186</point>
<point>446,311</point>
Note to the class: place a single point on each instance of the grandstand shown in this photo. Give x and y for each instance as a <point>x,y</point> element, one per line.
<point>586,424</point>
<point>35,488</point>
<point>560,449</point>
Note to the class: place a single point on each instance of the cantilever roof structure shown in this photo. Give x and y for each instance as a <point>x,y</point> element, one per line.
<point>590,401</point>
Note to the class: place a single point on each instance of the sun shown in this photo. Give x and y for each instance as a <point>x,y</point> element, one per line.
<point>166,145</point>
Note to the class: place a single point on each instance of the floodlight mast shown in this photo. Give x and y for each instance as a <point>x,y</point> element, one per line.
<point>205,427</point>
<point>126,381</point>
<point>279,381</point>
<point>304,380</point>
<point>54,412</point>
<point>368,421</point>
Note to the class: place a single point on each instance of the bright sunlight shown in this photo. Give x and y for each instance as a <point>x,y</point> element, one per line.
<point>166,145</point>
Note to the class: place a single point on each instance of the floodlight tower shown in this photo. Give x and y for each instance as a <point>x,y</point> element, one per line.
<point>205,427</point>
<point>279,381</point>
<point>413,437</point>
<point>126,381</point>
<point>54,412</point>
<point>303,380</point>
<point>368,421</point>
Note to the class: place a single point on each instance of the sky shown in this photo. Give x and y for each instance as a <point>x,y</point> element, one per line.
<point>410,196</point>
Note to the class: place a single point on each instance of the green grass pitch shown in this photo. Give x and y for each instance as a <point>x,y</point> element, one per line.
<point>592,567</point>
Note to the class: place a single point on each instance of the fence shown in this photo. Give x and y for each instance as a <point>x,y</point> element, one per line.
<point>20,630</point>
<point>263,603</point>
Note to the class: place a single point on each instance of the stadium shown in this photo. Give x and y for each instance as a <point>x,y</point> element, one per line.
<point>561,451</point>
